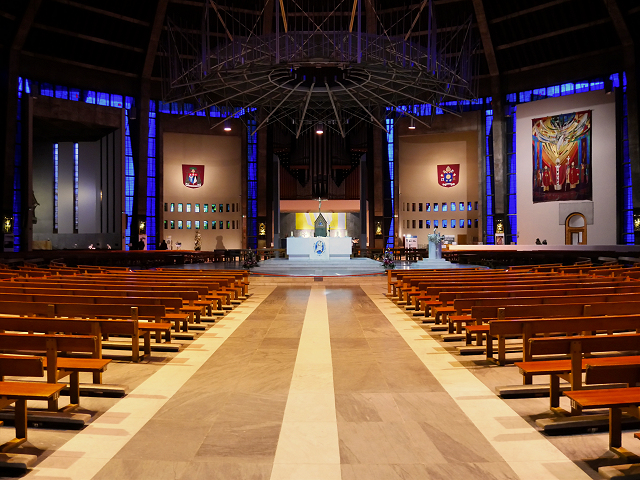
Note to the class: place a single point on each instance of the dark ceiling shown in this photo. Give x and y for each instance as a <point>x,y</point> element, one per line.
<point>117,45</point>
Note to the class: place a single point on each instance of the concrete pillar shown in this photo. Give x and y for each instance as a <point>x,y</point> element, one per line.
<point>8,113</point>
<point>139,128</point>
<point>363,201</point>
<point>499,147</point>
<point>276,203</point>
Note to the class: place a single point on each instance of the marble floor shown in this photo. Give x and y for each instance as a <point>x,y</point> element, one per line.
<point>315,380</point>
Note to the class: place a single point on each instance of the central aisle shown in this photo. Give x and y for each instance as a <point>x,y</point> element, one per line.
<point>321,382</point>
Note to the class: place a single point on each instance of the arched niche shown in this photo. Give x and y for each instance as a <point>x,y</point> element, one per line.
<point>575,228</point>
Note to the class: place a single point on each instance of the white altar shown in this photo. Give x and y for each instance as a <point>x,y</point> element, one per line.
<point>318,248</point>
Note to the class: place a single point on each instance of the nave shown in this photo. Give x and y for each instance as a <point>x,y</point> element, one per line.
<point>318,380</point>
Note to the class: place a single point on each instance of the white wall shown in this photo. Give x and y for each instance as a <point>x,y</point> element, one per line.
<point>222,160</point>
<point>93,168</point>
<point>89,187</point>
<point>542,220</point>
<point>419,157</point>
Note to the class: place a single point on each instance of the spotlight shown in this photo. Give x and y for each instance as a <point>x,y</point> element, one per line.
<point>319,128</point>
<point>412,125</point>
<point>227,126</point>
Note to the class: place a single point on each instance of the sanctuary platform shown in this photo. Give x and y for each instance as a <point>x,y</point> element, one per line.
<point>316,268</point>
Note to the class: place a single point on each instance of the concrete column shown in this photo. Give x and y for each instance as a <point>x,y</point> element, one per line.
<point>276,203</point>
<point>8,112</point>
<point>363,201</point>
<point>633,127</point>
<point>139,128</point>
<point>499,147</point>
<point>27,200</point>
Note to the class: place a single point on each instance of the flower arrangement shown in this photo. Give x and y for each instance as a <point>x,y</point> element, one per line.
<point>197,241</point>
<point>387,260</point>
<point>250,260</point>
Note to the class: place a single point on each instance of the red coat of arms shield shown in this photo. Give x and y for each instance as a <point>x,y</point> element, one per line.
<point>448,175</point>
<point>193,176</point>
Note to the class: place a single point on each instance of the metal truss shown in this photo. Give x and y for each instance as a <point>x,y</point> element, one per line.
<point>327,71</point>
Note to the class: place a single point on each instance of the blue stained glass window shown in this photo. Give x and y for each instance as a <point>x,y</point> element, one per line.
<point>390,155</point>
<point>17,172</point>
<point>76,165</point>
<point>252,184</point>
<point>129,172</point>
<point>61,92</point>
<point>152,192</point>
<point>489,175</point>
<point>102,99</point>
<point>567,89</point>
<point>55,187</point>
<point>46,89</point>
<point>626,220</point>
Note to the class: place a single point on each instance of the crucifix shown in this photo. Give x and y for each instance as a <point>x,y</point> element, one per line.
<point>319,204</point>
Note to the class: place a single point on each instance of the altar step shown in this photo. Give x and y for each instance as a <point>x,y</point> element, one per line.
<point>331,267</point>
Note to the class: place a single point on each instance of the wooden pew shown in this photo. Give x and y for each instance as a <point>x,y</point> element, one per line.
<point>51,345</point>
<point>159,327</point>
<point>219,284</point>
<point>587,296</point>
<point>576,347</point>
<point>190,294</point>
<point>411,286</point>
<point>394,276</point>
<point>213,293</point>
<point>93,311</point>
<point>431,298</point>
<point>19,392</point>
<point>241,276</point>
<point>618,401</point>
<point>529,327</point>
<point>92,327</point>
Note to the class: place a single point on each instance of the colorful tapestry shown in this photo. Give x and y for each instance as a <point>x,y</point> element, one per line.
<point>562,157</point>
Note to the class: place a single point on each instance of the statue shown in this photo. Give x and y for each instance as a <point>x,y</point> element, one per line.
<point>198,241</point>
<point>435,244</point>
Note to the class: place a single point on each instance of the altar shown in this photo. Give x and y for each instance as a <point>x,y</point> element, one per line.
<point>318,248</point>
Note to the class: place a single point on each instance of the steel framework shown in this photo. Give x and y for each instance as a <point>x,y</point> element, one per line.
<point>318,67</point>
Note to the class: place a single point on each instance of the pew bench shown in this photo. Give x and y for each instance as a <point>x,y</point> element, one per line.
<point>571,369</point>
<point>618,401</point>
<point>524,321</point>
<point>51,345</point>
<point>17,393</point>
<point>92,319</point>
